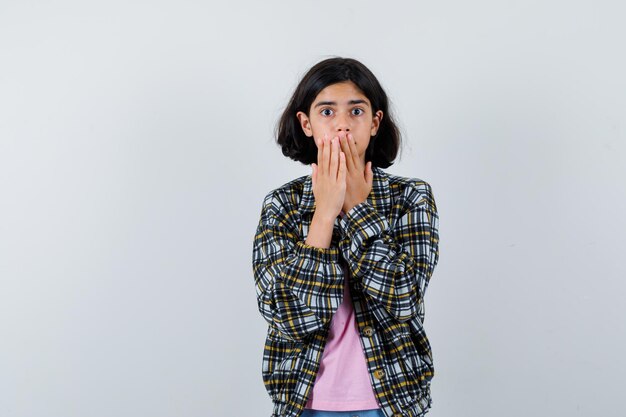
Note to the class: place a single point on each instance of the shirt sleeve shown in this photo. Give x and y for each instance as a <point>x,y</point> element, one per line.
<point>299,287</point>
<point>394,262</point>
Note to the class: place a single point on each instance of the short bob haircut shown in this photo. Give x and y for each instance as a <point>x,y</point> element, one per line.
<point>383,147</point>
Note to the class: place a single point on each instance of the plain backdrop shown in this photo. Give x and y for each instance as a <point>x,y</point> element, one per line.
<point>136,146</point>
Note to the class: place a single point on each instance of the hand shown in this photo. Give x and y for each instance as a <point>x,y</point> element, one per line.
<point>329,178</point>
<point>359,177</point>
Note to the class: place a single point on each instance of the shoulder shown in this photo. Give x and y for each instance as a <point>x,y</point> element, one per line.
<point>413,189</point>
<point>283,200</point>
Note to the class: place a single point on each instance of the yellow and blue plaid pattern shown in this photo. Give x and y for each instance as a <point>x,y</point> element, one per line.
<point>388,246</point>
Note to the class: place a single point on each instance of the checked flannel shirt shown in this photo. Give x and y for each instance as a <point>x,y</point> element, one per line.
<point>389,246</point>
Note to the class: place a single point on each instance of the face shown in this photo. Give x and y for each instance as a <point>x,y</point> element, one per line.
<point>340,109</point>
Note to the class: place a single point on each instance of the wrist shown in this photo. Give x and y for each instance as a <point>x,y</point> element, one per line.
<point>349,206</point>
<point>323,219</point>
<point>320,231</point>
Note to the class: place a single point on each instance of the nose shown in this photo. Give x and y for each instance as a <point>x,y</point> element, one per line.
<point>342,124</point>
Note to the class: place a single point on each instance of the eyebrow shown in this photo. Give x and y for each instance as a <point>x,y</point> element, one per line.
<point>334,103</point>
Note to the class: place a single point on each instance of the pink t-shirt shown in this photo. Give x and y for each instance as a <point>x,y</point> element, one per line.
<point>343,381</point>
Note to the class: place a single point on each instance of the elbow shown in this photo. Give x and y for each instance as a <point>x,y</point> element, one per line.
<point>280,328</point>
<point>405,314</point>
<point>288,332</point>
<point>285,325</point>
<point>406,306</point>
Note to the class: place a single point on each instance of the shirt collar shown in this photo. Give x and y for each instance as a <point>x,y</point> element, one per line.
<point>379,197</point>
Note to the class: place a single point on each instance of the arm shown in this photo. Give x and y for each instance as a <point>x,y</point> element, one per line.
<point>394,263</point>
<point>299,287</point>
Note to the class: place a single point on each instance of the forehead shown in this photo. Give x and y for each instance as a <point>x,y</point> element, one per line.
<point>340,92</point>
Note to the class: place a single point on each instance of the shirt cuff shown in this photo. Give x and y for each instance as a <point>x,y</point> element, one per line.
<point>317,254</point>
<point>362,222</point>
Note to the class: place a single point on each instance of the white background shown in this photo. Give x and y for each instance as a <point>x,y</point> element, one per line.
<point>136,146</point>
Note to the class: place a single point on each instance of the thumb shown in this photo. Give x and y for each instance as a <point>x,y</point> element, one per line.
<point>314,173</point>
<point>369,174</point>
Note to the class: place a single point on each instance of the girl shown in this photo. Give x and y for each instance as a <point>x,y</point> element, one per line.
<point>342,258</point>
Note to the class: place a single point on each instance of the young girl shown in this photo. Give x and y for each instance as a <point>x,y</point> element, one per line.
<point>342,258</point>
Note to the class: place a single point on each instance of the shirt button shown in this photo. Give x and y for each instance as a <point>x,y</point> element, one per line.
<point>368,331</point>
<point>397,415</point>
<point>379,374</point>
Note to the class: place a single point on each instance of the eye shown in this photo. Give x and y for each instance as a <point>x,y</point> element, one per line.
<point>326,112</point>
<point>358,109</point>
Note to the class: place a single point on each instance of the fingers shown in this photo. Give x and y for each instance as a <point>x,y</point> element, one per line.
<point>324,163</point>
<point>327,155</point>
<point>320,147</point>
<point>348,145</point>
<point>329,176</point>
<point>342,168</point>
<point>369,174</point>
<point>334,159</point>
<point>354,153</point>
<point>330,158</point>
<point>348,152</point>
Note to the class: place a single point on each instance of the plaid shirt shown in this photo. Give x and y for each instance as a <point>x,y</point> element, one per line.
<point>388,245</point>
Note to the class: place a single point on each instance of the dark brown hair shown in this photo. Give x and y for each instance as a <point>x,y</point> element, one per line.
<point>383,147</point>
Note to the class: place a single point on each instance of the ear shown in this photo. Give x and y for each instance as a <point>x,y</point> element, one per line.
<point>305,123</point>
<point>376,122</point>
